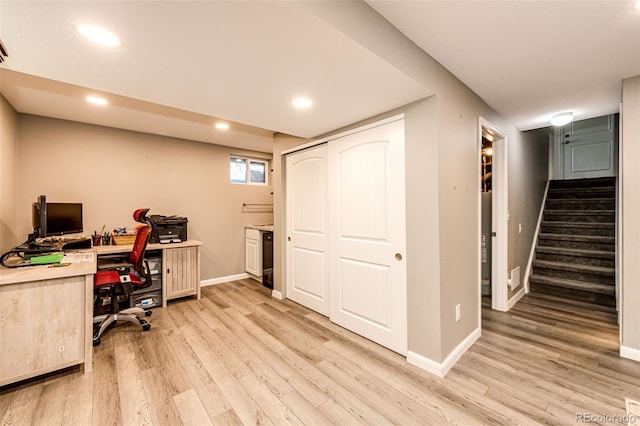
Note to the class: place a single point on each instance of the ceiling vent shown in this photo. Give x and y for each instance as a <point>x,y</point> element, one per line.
<point>3,52</point>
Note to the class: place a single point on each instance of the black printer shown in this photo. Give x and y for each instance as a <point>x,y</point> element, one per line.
<point>168,229</point>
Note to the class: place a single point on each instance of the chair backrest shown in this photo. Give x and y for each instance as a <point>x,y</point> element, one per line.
<point>136,257</point>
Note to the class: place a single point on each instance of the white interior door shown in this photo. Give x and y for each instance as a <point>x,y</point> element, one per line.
<point>590,148</point>
<point>368,290</point>
<point>307,237</point>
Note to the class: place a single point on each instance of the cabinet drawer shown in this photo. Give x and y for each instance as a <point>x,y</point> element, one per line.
<point>252,234</point>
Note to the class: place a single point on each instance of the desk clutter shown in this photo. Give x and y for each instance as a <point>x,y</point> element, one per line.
<point>164,230</point>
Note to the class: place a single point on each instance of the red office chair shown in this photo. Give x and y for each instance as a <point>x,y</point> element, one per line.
<point>120,280</point>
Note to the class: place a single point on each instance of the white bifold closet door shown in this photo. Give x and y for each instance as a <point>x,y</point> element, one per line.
<point>307,274</point>
<point>365,289</point>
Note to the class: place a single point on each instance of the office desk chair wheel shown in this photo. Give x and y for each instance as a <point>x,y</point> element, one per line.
<point>147,313</point>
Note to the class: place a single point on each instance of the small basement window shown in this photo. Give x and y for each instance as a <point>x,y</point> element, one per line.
<point>249,171</point>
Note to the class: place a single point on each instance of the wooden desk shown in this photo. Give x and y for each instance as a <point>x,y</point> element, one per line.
<point>46,319</point>
<point>180,267</point>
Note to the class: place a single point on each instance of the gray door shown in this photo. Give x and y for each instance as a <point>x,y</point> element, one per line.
<point>590,148</point>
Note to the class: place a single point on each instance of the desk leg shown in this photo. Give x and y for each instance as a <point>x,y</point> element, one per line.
<point>88,327</point>
<point>198,283</point>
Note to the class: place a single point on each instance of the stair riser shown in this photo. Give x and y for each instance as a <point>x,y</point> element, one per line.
<point>584,245</point>
<point>565,230</point>
<point>573,275</point>
<point>590,218</point>
<point>564,204</point>
<point>581,193</point>
<point>584,183</point>
<point>584,296</point>
<point>576,260</point>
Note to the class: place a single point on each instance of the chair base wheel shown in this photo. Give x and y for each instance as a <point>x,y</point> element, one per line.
<point>147,313</point>
<point>146,327</point>
<point>96,341</point>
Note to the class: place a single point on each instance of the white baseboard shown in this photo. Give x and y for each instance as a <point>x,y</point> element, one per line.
<point>441,369</point>
<point>630,353</point>
<point>220,280</point>
<point>277,295</point>
<point>516,297</point>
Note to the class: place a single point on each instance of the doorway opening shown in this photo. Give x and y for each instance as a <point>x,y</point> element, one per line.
<point>486,155</point>
<point>493,201</point>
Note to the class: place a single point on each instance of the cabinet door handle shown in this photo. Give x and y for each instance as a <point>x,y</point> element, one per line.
<point>168,271</point>
<point>288,238</point>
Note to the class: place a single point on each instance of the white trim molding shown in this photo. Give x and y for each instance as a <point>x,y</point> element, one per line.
<point>534,243</point>
<point>630,353</point>
<point>277,295</point>
<point>499,216</point>
<point>516,297</point>
<point>441,369</point>
<point>221,280</point>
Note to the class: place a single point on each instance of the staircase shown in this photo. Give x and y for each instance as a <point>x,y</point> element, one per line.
<point>575,254</point>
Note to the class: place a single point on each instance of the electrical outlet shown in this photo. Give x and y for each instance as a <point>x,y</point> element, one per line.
<point>457,312</point>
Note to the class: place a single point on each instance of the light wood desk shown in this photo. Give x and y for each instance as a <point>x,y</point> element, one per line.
<point>46,313</point>
<point>180,267</point>
<point>46,319</point>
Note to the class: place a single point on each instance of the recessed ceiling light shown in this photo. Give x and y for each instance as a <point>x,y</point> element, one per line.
<point>97,35</point>
<point>301,102</point>
<point>96,100</point>
<point>222,126</point>
<point>636,5</point>
<point>562,119</point>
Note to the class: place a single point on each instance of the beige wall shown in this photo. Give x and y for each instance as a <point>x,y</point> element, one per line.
<point>629,174</point>
<point>113,172</point>
<point>528,176</point>
<point>8,176</point>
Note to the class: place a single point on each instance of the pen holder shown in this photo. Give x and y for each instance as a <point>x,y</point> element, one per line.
<point>96,239</point>
<point>106,240</point>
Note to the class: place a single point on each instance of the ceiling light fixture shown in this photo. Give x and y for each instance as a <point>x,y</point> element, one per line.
<point>222,126</point>
<point>301,102</point>
<point>636,5</point>
<point>97,35</point>
<point>562,119</point>
<point>96,100</point>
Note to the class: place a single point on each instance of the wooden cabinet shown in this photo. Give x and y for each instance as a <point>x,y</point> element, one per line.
<point>181,276</point>
<point>180,267</point>
<point>253,252</point>
<point>45,320</point>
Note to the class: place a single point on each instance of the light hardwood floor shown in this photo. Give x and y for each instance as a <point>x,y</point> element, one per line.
<point>240,357</point>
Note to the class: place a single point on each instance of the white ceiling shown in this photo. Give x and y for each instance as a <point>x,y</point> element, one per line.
<point>529,59</point>
<point>185,64</point>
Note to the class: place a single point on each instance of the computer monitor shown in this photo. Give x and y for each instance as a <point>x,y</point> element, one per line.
<point>63,218</point>
<point>50,219</point>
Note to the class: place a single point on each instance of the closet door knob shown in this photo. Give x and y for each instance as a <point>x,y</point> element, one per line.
<point>398,256</point>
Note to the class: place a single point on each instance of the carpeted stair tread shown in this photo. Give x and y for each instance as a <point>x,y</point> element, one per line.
<point>580,193</point>
<point>601,254</point>
<point>573,284</point>
<point>581,212</point>
<point>596,225</point>
<point>582,238</point>
<point>587,269</point>
<point>583,182</point>
<point>581,203</point>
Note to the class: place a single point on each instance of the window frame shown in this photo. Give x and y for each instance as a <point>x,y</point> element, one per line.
<point>249,161</point>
